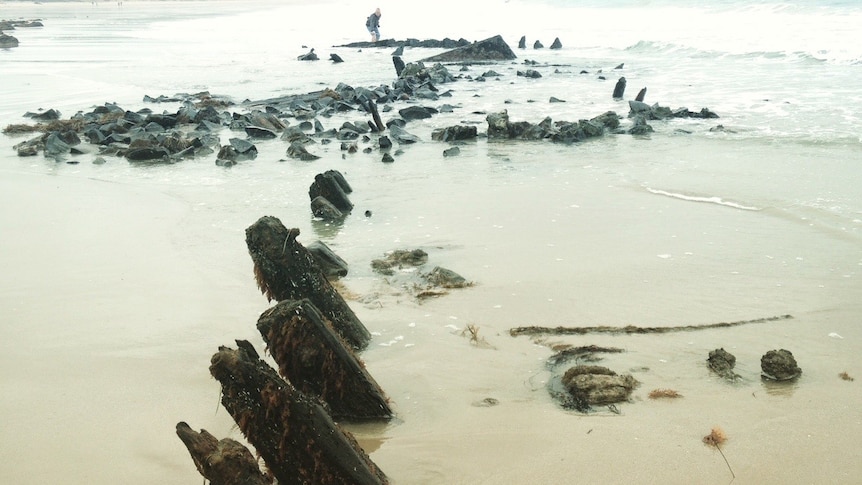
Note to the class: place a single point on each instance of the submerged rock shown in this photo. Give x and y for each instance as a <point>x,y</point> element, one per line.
<point>779,365</point>
<point>722,362</point>
<point>597,385</point>
<point>490,49</point>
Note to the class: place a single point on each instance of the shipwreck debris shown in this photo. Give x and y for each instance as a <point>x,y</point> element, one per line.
<point>222,462</point>
<point>312,356</point>
<point>286,270</point>
<point>292,432</point>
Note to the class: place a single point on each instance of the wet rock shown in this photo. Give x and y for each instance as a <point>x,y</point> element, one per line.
<point>259,132</point>
<point>640,127</point>
<point>7,41</point>
<point>451,152</point>
<point>402,136</point>
<point>309,56</point>
<point>327,185</point>
<point>446,278</point>
<point>335,58</point>
<point>398,259</point>
<point>538,45</point>
<point>297,150</point>
<point>324,209</point>
<point>530,73</point>
<point>722,362</point>
<point>779,365</point>
<point>456,132</point>
<point>490,49</point>
<point>411,113</point>
<point>597,385</point>
<point>47,115</point>
<point>620,88</point>
<point>557,44</point>
<point>330,263</point>
<point>522,44</point>
<point>387,158</point>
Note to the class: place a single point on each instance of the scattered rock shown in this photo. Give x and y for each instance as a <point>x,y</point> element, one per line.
<point>490,49</point>
<point>722,362</point>
<point>596,385</point>
<point>779,365</point>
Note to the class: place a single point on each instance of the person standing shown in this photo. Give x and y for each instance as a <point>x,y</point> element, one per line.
<point>373,24</point>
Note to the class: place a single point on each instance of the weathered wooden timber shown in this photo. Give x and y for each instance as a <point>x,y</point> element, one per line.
<point>222,462</point>
<point>314,358</point>
<point>286,270</point>
<point>292,432</point>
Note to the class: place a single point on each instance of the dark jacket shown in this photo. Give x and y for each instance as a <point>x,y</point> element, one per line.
<point>373,21</point>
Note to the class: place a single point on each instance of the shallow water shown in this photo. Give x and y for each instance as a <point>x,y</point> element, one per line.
<point>120,281</point>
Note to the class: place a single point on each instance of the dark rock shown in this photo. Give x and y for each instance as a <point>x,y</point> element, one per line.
<point>620,66</point>
<point>245,149</point>
<point>722,362</point>
<point>456,132</point>
<point>384,142</point>
<point>399,65</point>
<point>335,58</point>
<point>402,136</point>
<point>779,365</point>
<point>530,73</point>
<point>340,180</point>
<point>297,150</point>
<point>620,88</point>
<point>147,154</point>
<point>538,45</point>
<point>387,158</point>
<point>310,56</point>
<point>556,100</point>
<point>49,115</point>
<point>398,259</point>
<point>522,44</point>
<point>55,146</point>
<point>557,44</point>
<point>451,152</point>
<point>491,49</point>
<point>329,262</point>
<point>445,278</point>
<point>399,51</point>
<point>259,132</point>
<point>640,127</point>
<point>327,186</point>
<point>324,209</point>
<point>641,95</point>
<point>595,385</point>
<point>7,41</point>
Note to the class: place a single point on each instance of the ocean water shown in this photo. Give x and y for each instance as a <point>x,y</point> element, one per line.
<point>119,281</point>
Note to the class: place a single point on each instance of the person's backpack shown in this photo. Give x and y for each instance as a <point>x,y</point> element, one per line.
<point>368,21</point>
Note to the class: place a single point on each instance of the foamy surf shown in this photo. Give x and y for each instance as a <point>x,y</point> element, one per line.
<point>708,199</point>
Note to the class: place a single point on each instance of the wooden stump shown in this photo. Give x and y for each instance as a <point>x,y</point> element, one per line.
<point>328,186</point>
<point>225,462</point>
<point>293,433</point>
<point>312,357</point>
<point>286,270</point>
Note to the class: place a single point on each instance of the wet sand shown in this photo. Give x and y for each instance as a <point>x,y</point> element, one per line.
<point>116,294</point>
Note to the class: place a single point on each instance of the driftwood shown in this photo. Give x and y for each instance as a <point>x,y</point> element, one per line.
<point>292,432</point>
<point>312,357</point>
<point>630,329</point>
<point>225,462</point>
<point>285,270</point>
